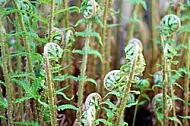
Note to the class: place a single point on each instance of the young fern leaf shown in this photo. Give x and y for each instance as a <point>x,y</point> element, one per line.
<point>66,106</point>
<point>3,103</point>
<point>135,66</point>
<point>93,99</point>
<point>169,25</point>
<point>157,102</point>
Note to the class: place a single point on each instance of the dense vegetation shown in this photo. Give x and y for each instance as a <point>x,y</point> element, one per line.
<point>94,62</point>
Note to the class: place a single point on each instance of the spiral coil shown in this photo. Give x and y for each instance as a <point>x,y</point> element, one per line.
<point>91,8</point>
<point>134,48</point>
<point>113,79</point>
<point>157,103</point>
<point>169,25</point>
<point>53,51</point>
<point>93,99</point>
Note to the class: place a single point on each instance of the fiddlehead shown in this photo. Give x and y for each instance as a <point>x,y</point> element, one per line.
<point>113,79</point>
<point>157,103</point>
<point>93,99</point>
<point>53,51</point>
<point>89,8</point>
<point>169,25</point>
<point>57,36</point>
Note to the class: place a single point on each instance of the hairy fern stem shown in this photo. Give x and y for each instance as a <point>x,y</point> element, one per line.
<point>51,93</point>
<point>82,74</point>
<point>126,91</point>
<point>103,47</point>
<point>7,79</point>
<point>186,85</point>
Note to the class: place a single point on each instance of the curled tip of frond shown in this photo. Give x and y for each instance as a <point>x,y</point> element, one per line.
<point>130,99</point>
<point>135,40</point>
<point>57,35</point>
<point>92,99</point>
<point>90,9</point>
<point>169,24</point>
<point>25,5</point>
<point>157,103</point>
<point>134,54</point>
<point>158,78</point>
<point>52,51</point>
<point>91,115</point>
<point>111,79</point>
<point>69,37</point>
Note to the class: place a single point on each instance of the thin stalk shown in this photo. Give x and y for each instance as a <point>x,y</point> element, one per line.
<point>92,64</point>
<point>51,93</point>
<point>103,47</point>
<point>165,86</point>
<point>108,51</point>
<point>186,85</point>
<point>7,79</point>
<point>136,108</point>
<point>51,20</point>
<point>130,31</point>
<point>66,14</point>
<point>19,70</point>
<point>29,54</point>
<point>25,39</point>
<point>127,88</point>
<point>153,33</point>
<point>118,35</point>
<point>82,75</point>
<point>172,94</point>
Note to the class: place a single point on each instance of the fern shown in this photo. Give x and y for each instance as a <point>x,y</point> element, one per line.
<point>26,123</point>
<point>66,106</point>
<point>3,103</point>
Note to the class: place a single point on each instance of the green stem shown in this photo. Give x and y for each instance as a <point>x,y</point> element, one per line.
<point>25,38</point>
<point>51,21</point>
<point>172,94</point>
<point>51,93</point>
<point>126,91</point>
<point>186,85</point>
<point>132,24</point>
<point>103,47</point>
<point>136,108</point>
<point>82,75</point>
<point>6,76</point>
<point>19,68</point>
<point>153,34</point>
<point>108,51</point>
<point>118,35</point>
<point>66,14</point>
<point>165,86</point>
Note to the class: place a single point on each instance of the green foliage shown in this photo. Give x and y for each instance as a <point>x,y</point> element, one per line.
<point>27,123</point>
<point>142,2</point>
<point>66,106</point>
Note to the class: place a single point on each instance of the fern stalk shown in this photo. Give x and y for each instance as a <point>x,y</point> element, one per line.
<point>66,14</point>
<point>165,86</point>
<point>153,34</point>
<point>108,51</point>
<point>19,68</point>
<point>186,85</point>
<point>6,76</point>
<point>136,108</point>
<point>126,91</point>
<point>118,35</point>
<point>82,75</point>
<point>132,24</point>
<point>51,92</point>
<point>25,38</point>
<point>103,47</point>
<point>51,20</point>
<point>28,50</point>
